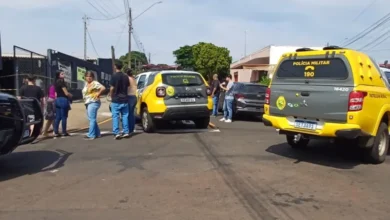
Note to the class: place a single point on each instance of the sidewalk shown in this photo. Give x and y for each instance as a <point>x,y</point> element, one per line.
<point>77,118</point>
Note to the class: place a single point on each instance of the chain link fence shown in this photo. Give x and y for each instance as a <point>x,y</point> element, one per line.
<point>25,63</point>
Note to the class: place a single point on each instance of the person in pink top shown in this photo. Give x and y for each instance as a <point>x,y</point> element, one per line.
<point>50,110</point>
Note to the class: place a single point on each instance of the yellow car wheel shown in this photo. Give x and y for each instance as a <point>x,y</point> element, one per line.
<point>147,122</point>
<point>378,152</point>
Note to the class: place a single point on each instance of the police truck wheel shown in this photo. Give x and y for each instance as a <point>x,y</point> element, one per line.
<point>297,142</point>
<point>202,123</point>
<point>148,124</point>
<point>378,152</point>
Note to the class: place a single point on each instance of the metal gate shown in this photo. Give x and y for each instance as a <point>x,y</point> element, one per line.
<point>28,62</point>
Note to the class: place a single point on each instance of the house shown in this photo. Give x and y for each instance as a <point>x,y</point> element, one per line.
<point>261,63</point>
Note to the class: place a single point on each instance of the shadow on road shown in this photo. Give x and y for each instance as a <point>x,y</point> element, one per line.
<point>19,164</point>
<point>321,153</point>
<point>248,118</point>
<point>178,127</point>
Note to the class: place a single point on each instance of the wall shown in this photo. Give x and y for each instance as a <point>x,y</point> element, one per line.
<point>103,71</point>
<point>244,75</point>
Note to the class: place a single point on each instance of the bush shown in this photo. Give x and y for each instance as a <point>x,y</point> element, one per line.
<point>265,80</point>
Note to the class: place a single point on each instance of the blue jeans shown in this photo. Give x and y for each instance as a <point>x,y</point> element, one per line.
<point>228,109</point>
<point>117,110</point>
<point>215,105</point>
<point>132,103</point>
<point>92,109</point>
<point>62,110</point>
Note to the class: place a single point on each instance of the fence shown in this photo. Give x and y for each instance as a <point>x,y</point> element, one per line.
<point>25,62</point>
<point>28,62</point>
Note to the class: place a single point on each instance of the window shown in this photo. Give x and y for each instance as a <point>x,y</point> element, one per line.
<point>141,82</point>
<point>334,68</point>
<point>384,73</point>
<point>254,89</point>
<point>182,79</point>
<point>151,79</point>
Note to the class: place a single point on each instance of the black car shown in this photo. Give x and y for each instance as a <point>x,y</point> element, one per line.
<point>249,99</point>
<point>16,116</point>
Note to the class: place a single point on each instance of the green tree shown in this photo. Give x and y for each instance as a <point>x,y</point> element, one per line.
<point>210,59</point>
<point>137,60</point>
<point>185,57</point>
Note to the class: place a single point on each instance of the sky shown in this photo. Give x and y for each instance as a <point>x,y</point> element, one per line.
<point>57,24</point>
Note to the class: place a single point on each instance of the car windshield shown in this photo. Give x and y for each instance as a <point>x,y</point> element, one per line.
<point>333,68</point>
<point>182,79</point>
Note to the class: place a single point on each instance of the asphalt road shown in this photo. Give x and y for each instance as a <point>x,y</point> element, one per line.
<point>241,171</point>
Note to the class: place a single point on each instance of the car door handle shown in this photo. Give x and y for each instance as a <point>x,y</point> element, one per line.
<point>305,93</point>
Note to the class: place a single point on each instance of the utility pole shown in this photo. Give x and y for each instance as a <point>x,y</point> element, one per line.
<point>130,30</point>
<point>149,57</point>
<point>85,18</point>
<point>113,59</point>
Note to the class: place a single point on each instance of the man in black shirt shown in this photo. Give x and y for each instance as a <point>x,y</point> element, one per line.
<point>119,107</point>
<point>215,90</point>
<point>30,90</point>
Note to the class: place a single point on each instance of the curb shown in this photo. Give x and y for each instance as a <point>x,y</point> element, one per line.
<point>213,126</point>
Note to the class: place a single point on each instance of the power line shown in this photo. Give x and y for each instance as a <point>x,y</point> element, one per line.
<point>368,30</point>
<point>107,19</point>
<point>364,10</point>
<point>93,45</point>
<point>96,9</point>
<point>380,42</point>
<point>376,40</point>
<point>120,35</point>
<point>104,9</point>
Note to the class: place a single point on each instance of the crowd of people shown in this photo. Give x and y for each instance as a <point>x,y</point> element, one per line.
<point>57,103</point>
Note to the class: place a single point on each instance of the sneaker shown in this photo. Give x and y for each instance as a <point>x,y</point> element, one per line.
<point>126,135</point>
<point>66,135</point>
<point>222,119</point>
<point>56,135</point>
<point>117,137</point>
<point>228,121</point>
<point>88,138</point>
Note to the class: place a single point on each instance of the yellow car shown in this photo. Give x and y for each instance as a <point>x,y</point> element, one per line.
<point>173,95</point>
<point>334,93</point>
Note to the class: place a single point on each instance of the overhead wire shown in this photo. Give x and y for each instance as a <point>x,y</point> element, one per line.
<point>380,42</point>
<point>368,30</point>
<point>375,41</point>
<point>97,9</point>
<point>107,19</point>
<point>92,43</point>
<point>364,10</point>
<point>103,8</point>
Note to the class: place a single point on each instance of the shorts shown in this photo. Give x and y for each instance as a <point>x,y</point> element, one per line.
<point>50,113</point>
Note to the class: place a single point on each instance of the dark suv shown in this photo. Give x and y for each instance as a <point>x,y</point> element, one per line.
<point>249,99</point>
